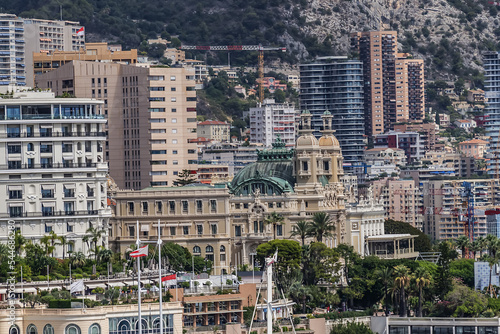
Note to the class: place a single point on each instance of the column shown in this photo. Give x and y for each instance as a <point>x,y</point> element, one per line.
<point>244,260</point>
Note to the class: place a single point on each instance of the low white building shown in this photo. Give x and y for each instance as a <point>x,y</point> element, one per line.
<point>466,124</point>
<point>52,169</point>
<point>270,120</point>
<point>385,155</point>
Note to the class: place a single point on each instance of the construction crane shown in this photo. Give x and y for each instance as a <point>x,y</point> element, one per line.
<point>470,219</point>
<point>259,48</point>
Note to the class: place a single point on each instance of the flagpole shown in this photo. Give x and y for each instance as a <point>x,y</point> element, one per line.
<point>139,280</point>
<point>270,297</point>
<point>159,275</point>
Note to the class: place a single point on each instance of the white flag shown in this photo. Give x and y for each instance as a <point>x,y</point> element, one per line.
<point>273,259</point>
<point>76,286</point>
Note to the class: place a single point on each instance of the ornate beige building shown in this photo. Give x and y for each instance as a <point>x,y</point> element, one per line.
<point>226,223</point>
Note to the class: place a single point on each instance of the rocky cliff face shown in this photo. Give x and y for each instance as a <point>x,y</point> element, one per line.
<point>449,36</point>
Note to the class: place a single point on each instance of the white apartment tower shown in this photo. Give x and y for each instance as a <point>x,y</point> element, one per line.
<point>12,51</point>
<point>270,120</point>
<point>52,169</point>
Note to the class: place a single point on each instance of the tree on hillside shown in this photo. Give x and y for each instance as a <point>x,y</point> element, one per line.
<point>422,242</point>
<point>385,276</point>
<point>184,178</point>
<point>320,263</point>
<point>443,279</point>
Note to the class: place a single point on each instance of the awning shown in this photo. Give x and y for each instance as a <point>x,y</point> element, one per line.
<point>144,227</point>
<point>48,186</point>
<point>70,186</point>
<point>13,188</point>
<point>95,285</point>
<point>18,290</point>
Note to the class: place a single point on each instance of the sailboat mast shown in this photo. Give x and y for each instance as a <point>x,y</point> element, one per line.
<point>159,275</point>
<point>139,281</point>
<point>270,297</point>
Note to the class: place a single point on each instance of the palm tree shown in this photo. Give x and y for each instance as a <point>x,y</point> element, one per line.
<point>77,259</point>
<point>385,276</point>
<point>53,237</point>
<point>95,235</point>
<point>301,292</point>
<point>476,247</point>
<point>301,229</point>
<point>45,241</point>
<point>19,242</point>
<point>402,281</point>
<point>274,219</point>
<point>86,240</point>
<point>482,245</point>
<point>463,243</point>
<point>491,243</point>
<point>63,241</point>
<point>492,261</point>
<point>423,279</point>
<point>322,225</point>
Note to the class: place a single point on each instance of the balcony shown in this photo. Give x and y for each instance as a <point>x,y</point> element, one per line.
<point>19,165</point>
<point>50,213</point>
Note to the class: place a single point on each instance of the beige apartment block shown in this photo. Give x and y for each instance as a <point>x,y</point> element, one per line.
<point>151,116</point>
<point>97,52</point>
<point>394,82</point>
<point>401,200</point>
<point>215,130</point>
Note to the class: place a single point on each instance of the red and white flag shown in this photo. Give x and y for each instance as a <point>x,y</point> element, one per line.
<point>169,280</point>
<point>143,251</point>
<point>273,259</point>
<point>80,32</point>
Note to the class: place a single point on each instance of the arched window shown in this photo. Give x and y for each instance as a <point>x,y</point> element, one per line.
<point>124,326</point>
<point>72,329</point>
<point>196,250</point>
<point>48,329</point>
<point>95,329</point>
<point>14,330</point>
<point>144,323</point>
<point>209,249</point>
<point>31,329</point>
<point>31,147</point>
<point>222,249</point>
<point>156,323</point>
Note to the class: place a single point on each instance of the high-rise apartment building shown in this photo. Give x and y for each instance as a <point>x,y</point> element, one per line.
<point>393,82</point>
<point>270,120</point>
<point>151,117</point>
<point>52,170</point>
<point>12,51</point>
<point>102,52</point>
<point>446,207</point>
<point>401,200</point>
<point>48,36</point>
<point>335,84</point>
<point>491,61</point>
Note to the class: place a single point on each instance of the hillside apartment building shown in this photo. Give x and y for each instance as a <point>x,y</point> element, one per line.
<point>151,116</point>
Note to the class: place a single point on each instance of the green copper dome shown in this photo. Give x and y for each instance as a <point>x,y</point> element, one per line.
<point>269,177</point>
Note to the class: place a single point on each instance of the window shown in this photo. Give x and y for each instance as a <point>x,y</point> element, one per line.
<point>144,207</point>
<point>47,210</point>
<point>156,89</point>
<point>174,110</point>
<point>174,120</point>
<point>159,206</point>
<point>156,99</point>
<point>185,206</point>
<point>69,192</point>
<point>72,329</point>
<point>174,130</point>
<point>48,329</point>
<point>487,330</point>
<point>173,99</point>
<point>31,329</point>
<point>237,231</point>
<point>95,329</point>
<point>213,227</point>
<point>199,229</point>
<point>185,230</point>
<point>196,250</point>
<point>222,257</point>
<point>209,249</point>
<point>48,228</point>
<point>14,330</point>
<point>69,208</point>
<point>130,206</point>
<point>174,151</point>
<point>15,194</point>
<point>30,147</point>
<point>12,149</point>
<point>172,230</point>
<point>213,205</point>
<point>305,166</point>
<point>69,227</point>
<point>15,211</point>
<point>172,89</point>
<point>279,230</point>
<point>171,205</point>
<point>172,78</point>
<point>222,249</point>
<point>131,231</point>
<point>199,205</point>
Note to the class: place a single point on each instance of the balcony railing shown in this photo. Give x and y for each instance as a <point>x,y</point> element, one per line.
<point>50,165</point>
<point>50,213</point>
<point>53,134</point>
